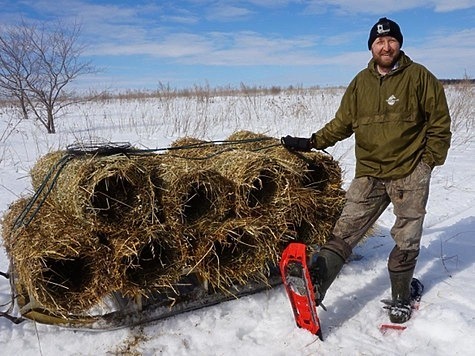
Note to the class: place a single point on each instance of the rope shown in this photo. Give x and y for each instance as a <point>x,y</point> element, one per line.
<point>14,319</point>
<point>110,148</point>
<point>21,219</point>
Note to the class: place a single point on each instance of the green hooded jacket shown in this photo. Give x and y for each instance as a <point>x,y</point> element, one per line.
<point>398,119</point>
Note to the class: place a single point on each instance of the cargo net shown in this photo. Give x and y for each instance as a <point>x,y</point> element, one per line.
<point>110,219</point>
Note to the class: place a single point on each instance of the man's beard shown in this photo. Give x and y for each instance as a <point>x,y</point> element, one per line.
<point>385,62</point>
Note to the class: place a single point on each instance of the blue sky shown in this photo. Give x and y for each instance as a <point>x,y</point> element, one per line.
<point>139,44</point>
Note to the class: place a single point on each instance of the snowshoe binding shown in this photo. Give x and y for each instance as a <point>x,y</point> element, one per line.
<point>400,312</point>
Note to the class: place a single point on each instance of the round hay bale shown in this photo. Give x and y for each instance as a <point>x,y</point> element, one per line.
<point>323,173</point>
<point>61,264</point>
<point>234,252</point>
<point>315,169</point>
<point>108,189</point>
<point>147,259</point>
<point>196,195</point>
<point>261,181</point>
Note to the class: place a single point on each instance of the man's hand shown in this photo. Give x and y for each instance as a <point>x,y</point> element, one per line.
<point>296,143</point>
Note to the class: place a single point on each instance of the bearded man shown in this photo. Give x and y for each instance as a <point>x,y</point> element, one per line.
<point>398,112</point>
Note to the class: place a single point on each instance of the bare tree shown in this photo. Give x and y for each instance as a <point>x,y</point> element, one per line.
<point>13,51</point>
<point>36,65</point>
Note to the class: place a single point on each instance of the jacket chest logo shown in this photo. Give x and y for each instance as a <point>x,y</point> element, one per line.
<point>392,100</point>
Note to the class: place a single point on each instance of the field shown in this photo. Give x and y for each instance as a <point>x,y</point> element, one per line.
<point>262,324</point>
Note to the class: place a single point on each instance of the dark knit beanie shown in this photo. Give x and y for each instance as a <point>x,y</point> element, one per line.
<point>385,27</point>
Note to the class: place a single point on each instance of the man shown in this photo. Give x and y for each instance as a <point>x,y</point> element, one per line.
<point>398,112</point>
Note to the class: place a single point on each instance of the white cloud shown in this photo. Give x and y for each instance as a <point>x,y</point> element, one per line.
<point>217,48</point>
<point>451,5</point>
<point>448,55</point>
<point>225,12</point>
<point>185,20</point>
<point>273,3</point>
<point>249,48</point>
<point>172,46</point>
<point>380,7</point>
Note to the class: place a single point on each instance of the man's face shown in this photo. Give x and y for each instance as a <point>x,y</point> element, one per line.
<point>385,51</point>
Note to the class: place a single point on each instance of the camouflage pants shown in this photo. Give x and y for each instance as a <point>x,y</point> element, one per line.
<point>368,197</point>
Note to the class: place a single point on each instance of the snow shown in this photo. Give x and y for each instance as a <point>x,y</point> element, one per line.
<point>263,324</point>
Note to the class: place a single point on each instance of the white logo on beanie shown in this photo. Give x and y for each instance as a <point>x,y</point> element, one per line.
<point>381,30</point>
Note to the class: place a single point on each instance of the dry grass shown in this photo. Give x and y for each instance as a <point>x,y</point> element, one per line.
<point>138,223</point>
<point>62,264</point>
<point>462,111</point>
<point>101,189</point>
<point>235,251</point>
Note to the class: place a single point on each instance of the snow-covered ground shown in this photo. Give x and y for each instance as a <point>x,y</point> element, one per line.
<point>263,324</point>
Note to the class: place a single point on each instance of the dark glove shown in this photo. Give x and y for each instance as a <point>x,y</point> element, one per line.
<point>296,143</point>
